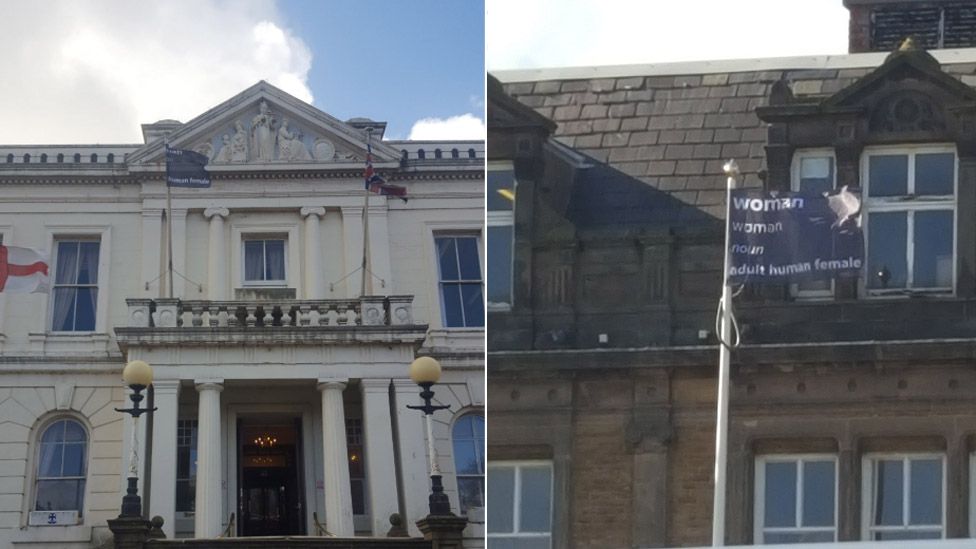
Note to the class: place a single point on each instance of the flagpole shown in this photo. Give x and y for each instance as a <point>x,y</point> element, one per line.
<point>169,231</point>
<point>724,358</point>
<point>365,279</point>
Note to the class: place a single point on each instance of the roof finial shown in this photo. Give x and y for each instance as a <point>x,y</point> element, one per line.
<point>908,44</point>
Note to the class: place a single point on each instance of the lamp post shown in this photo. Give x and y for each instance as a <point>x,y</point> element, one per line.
<point>426,371</point>
<point>138,376</point>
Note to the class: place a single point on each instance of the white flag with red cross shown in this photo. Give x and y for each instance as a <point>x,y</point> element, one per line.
<point>23,270</point>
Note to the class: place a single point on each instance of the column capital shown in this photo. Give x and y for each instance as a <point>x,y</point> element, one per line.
<point>216,210</point>
<point>209,385</point>
<point>332,383</point>
<point>167,386</point>
<point>375,384</point>
<point>317,211</point>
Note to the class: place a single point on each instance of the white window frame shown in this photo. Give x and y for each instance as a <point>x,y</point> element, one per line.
<point>798,157</point>
<point>759,503</point>
<point>35,464</point>
<point>896,204</point>
<point>516,504</point>
<point>867,493</point>
<point>502,219</point>
<point>241,231</point>
<point>103,234</point>
<point>479,240</point>
<point>483,461</point>
<point>264,237</point>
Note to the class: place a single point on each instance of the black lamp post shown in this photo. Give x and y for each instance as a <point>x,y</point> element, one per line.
<point>137,375</point>
<point>425,371</point>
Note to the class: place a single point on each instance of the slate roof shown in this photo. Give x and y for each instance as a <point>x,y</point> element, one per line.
<point>675,131</point>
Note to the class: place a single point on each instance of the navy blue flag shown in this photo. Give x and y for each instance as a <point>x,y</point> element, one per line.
<point>786,237</point>
<point>186,169</point>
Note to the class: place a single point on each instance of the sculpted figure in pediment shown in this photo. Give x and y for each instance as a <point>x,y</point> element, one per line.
<point>238,144</point>
<point>223,156</point>
<point>290,146</point>
<point>262,134</point>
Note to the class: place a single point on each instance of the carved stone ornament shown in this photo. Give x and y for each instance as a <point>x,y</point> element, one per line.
<point>266,139</point>
<point>907,112</point>
<point>324,150</point>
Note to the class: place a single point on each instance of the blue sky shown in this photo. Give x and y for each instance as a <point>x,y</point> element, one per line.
<point>393,61</point>
<point>94,71</point>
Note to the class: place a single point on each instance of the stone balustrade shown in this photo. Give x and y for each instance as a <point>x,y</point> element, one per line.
<point>283,313</point>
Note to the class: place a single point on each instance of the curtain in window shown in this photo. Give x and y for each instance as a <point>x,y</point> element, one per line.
<point>61,467</point>
<point>274,251</point>
<point>254,260</point>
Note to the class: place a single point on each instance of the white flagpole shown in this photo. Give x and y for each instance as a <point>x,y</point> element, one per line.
<point>724,357</point>
<point>366,282</point>
<point>169,227</point>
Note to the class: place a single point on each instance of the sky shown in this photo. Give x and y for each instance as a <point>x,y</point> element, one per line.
<point>526,34</point>
<point>92,71</point>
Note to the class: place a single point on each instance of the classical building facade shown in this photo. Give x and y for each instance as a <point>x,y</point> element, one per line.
<point>852,408</point>
<point>280,386</point>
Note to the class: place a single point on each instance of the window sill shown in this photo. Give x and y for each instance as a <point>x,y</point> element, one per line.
<point>96,343</point>
<point>52,534</point>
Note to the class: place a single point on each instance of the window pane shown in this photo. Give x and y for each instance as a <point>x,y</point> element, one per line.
<point>780,494</point>
<point>183,462</point>
<point>933,249</point>
<point>903,534</point>
<point>887,261</point>
<point>501,190</point>
<point>934,173</point>
<point>274,258</point>
<point>925,498</point>
<point>535,500</point>
<point>185,495</point>
<point>818,493</point>
<point>358,493</point>
<point>888,482</point>
<point>74,459</point>
<point>74,432</point>
<point>501,494</point>
<point>447,258</point>
<point>888,175</point>
<point>253,260</point>
<point>67,267</point>
<point>85,309</point>
<point>469,491</point>
<point>88,263</point>
<point>467,248</point>
<point>816,174</point>
<point>474,306</point>
<point>54,432</point>
<point>501,543</point>
<point>451,294</point>
<point>63,314</point>
<point>50,460</point>
<point>59,495</point>
<point>466,457</point>
<point>462,427</point>
<point>500,264</point>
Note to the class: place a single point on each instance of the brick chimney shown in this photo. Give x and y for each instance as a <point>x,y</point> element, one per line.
<point>880,25</point>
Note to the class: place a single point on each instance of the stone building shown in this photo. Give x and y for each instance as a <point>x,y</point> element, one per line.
<point>852,407</point>
<point>281,388</point>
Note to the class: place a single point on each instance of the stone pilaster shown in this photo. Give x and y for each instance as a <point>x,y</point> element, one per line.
<point>163,503</point>
<point>217,257</point>
<point>313,253</point>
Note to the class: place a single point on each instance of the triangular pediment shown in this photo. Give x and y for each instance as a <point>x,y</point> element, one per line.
<point>266,127</point>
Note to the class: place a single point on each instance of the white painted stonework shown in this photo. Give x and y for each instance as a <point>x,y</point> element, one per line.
<point>305,360</point>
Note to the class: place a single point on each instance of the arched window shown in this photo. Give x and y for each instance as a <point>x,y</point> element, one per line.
<point>60,158</point>
<point>62,459</point>
<point>10,159</point>
<point>110,158</point>
<point>421,154</point>
<point>77,158</point>
<point>455,153</point>
<point>437,153</point>
<point>403,155</point>
<point>470,153</point>
<point>469,460</point>
<point>94,158</point>
<point>27,158</point>
<point>43,158</point>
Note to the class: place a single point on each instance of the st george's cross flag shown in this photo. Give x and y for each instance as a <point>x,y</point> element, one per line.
<point>186,169</point>
<point>23,270</point>
<point>375,183</point>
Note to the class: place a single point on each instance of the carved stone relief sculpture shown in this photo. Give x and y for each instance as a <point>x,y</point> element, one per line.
<point>238,150</point>
<point>290,146</point>
<point>262,134</point>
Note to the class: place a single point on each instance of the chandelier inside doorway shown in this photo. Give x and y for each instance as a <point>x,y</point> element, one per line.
<point>266,441</point>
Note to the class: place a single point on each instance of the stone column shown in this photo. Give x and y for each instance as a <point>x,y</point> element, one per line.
<point>208,519</point>
<point>163,503</point>
<point>412,439</point>
<point>217,257</point>
<point>153,248</point>
<point>352,236</point>
<point>380,465</point>
<point>338,497</point>
<point>313,253</point>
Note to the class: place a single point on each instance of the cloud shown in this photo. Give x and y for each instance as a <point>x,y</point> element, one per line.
<point>613,32</point>
<point>92,72</point>
<point>465,126</point>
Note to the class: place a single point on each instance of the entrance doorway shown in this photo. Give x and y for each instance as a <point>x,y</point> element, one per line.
<point>270,498</point>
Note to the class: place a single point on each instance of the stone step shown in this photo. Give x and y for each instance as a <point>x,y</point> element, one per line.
<point>291,542</point>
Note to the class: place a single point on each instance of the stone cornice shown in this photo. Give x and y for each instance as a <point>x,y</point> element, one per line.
<point>411,335</point>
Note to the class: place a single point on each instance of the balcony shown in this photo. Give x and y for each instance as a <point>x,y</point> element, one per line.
<point>378,319</point>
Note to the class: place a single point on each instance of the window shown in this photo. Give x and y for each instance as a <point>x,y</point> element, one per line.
<point>460,281</point>
<point>75,286</point>
<point>520,514</point>
<point>437,154</point>
<point>357,469</point>
<point>186,465</point>
<point>501,233</point>
<point>796,499</point>
<point>60,158</point>
<point>455,153</point>
<point>471,153</point>
<point>94,158</point>
<point>43,158</point>
<point>421,154</point>
<point>61,467</point>
<point>813,173</point>
<point>264,261</point>
<point>468,436</point>
<point>910,220</point>
<point>77,158</point>
<point>904,497</point>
